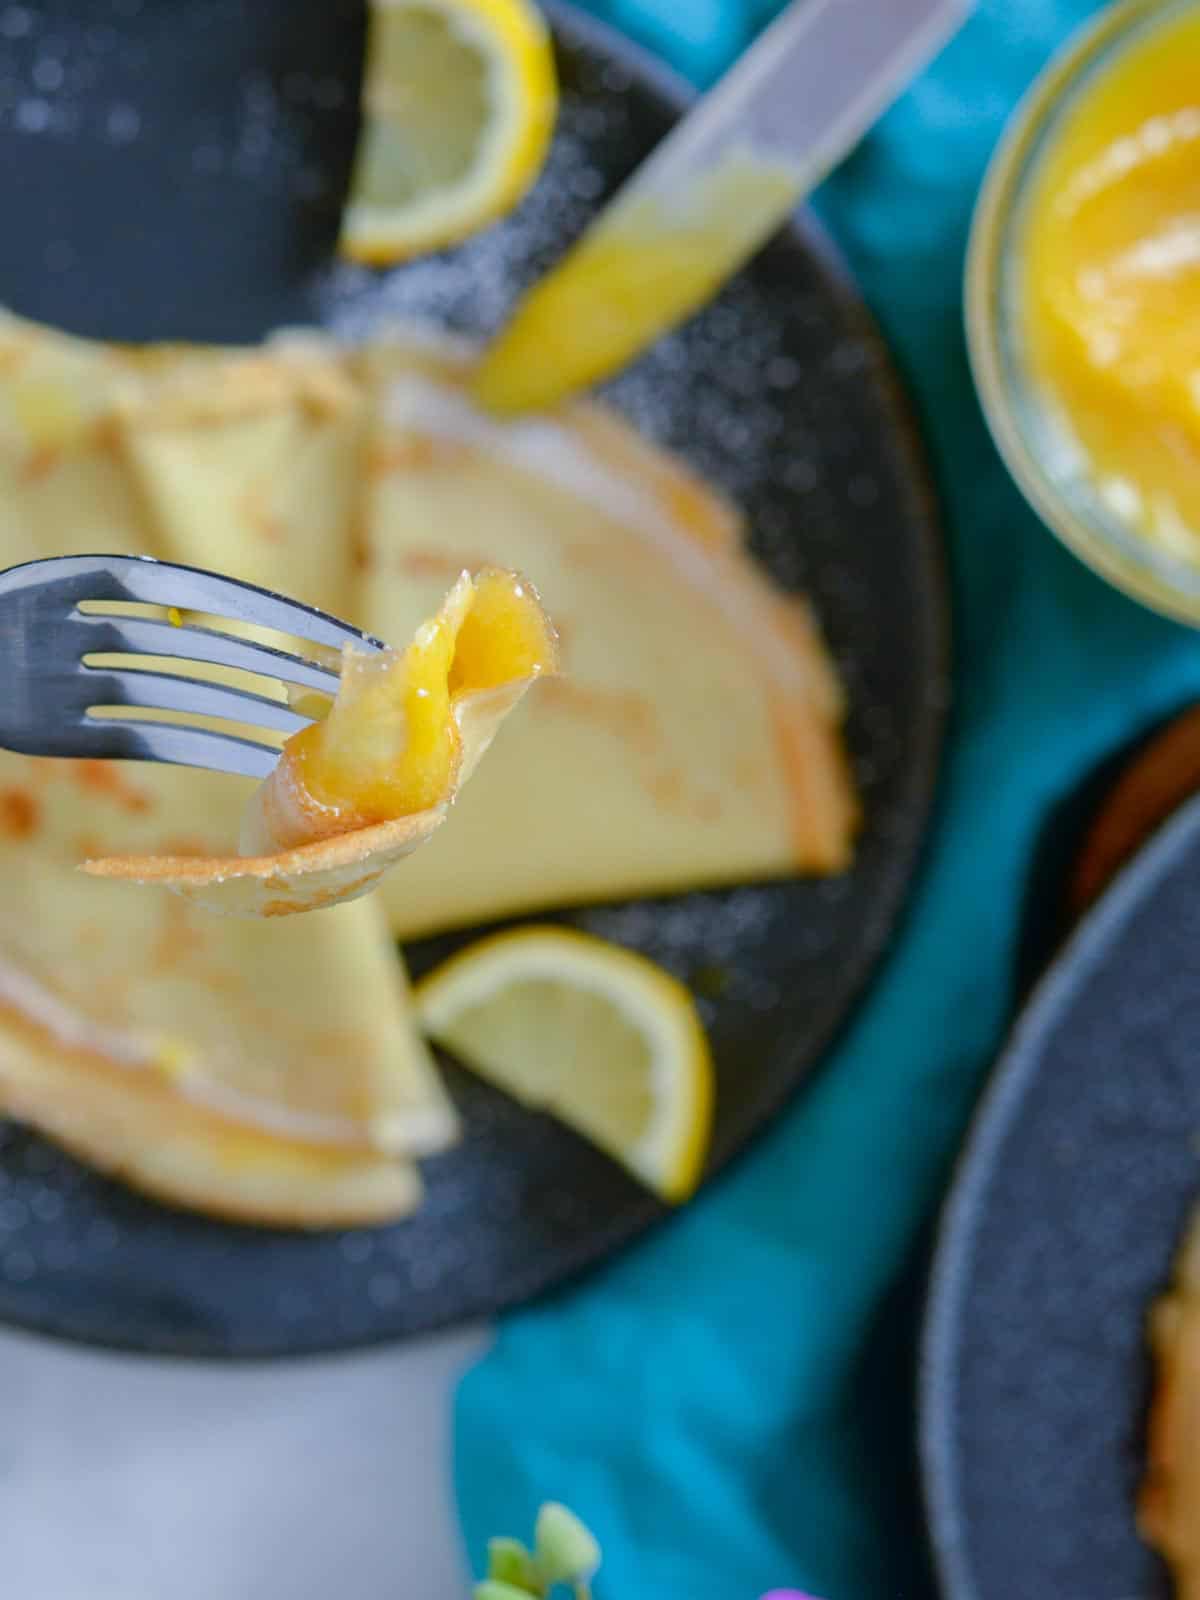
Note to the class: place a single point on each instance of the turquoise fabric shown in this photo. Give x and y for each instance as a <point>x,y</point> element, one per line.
<point>728,1405</point>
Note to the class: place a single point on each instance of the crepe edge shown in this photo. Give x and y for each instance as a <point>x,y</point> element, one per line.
<point>131,1127</point>
<point>307,877</point>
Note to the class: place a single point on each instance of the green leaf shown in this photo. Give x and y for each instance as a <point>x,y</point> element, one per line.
<point>566,1551</point>
<point>490,1589</point>
<point>510,1562</point>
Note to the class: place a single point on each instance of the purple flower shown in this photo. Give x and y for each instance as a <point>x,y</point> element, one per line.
<point>788,1594</point>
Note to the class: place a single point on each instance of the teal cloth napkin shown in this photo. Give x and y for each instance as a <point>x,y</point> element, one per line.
<point>729,1404</point>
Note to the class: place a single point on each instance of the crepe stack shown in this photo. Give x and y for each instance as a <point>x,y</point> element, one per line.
<point>271,1077</point>
<point>269,1069</point>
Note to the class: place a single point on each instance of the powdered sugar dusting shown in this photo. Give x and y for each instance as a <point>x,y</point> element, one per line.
<point>471,289</point>
<point>56,71</point>
<point>700,390</point>
<point>47,70</point>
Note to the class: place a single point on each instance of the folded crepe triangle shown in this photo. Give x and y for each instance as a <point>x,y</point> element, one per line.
<point>693,738</point>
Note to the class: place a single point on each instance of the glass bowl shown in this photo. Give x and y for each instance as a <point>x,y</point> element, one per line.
<point>1051,472</point>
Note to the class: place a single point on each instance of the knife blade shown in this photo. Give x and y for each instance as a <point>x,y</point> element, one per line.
<point>712,192</point>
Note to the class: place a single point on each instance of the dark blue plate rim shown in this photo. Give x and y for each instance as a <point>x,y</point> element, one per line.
<point>951,1274</point>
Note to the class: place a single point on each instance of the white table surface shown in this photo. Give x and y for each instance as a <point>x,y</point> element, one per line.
<point>136,1478</point>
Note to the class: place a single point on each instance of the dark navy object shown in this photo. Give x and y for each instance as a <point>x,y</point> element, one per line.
<point>1070,1202</point>
<point>180,175</point>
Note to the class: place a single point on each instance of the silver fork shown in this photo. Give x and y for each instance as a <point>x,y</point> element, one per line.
<point>54,702</point>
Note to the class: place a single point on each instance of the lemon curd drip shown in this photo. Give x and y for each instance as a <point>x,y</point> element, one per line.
<point>390,746</point>
<point>504,637</point>
<point>1112,283</point>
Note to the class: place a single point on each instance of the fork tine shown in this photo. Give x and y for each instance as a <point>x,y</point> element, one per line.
<point>166,583</point>
<point>50,689</point>
<point>140,636</point>
<point>183,747</point>
<point>146,580</point>
<point>163,691</point>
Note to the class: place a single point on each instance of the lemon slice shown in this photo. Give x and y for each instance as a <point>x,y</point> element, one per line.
<point>602,1038</point>
<point>458,106</point>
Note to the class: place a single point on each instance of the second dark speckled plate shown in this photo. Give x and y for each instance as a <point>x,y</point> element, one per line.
<point>1070,1202</point>
<point>176,169</point>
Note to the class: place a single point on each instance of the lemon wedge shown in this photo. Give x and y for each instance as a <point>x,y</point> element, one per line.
<point>459,102</point>
<point>602,1038</point>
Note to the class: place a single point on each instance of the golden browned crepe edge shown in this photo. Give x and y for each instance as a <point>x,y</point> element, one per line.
<point>327,871</point>
<point>307,877</point>
<point>131,1124</point>
<point>701,510</point>
<point>1165,1519</point>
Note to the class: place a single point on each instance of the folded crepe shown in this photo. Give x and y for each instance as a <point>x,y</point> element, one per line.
<point>363,786</point>
<point>269,1072</point>
<point>121,1016</point>
<point>694,735</point>
<point>248,462</point>
<point>64,489</point>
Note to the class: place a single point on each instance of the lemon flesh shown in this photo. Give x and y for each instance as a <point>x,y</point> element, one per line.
<point>458,107</point>
<point>599,1037</point>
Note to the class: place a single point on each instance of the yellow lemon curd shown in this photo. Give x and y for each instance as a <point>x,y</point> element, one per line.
<point>391,745</point>
<point>1111,270</point>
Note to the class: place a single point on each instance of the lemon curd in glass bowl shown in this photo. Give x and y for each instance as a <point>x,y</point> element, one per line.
<point>1083,299</point>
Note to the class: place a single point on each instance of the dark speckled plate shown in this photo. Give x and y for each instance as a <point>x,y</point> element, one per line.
<point>175,168</point>
<point>1072,1196</point>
